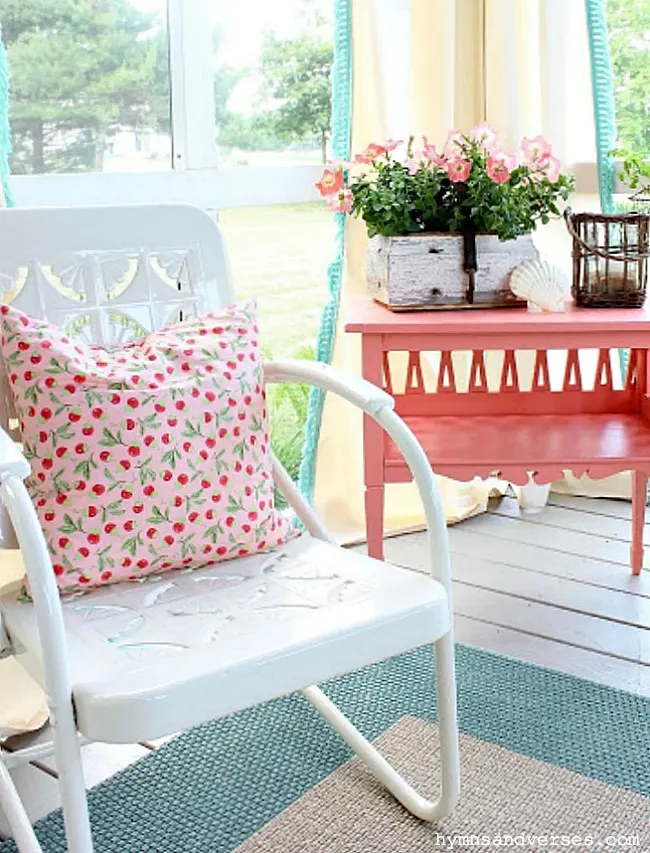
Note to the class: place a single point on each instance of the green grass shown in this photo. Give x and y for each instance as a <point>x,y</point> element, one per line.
<point>288,405</point>
<point>280,256</point>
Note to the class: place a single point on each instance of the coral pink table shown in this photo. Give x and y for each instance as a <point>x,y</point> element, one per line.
<point>583,425</point>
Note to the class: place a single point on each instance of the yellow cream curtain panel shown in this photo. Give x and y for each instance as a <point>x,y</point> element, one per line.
<point>427,67</point>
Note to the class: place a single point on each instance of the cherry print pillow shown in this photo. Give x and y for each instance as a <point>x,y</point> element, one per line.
<point>151,457</point>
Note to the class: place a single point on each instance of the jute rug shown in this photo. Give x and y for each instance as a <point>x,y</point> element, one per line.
<point>508,800</point>
<point>543,753</point>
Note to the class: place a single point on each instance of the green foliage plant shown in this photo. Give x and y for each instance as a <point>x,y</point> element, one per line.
<point>635,168</point>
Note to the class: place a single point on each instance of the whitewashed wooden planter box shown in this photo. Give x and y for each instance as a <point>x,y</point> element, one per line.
<point>426,271</point>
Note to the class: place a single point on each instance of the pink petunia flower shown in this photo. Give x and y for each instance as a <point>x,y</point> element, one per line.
<point>431,153</point>
<point>485,136</point>
<point>509,161</point>
<point>498,170</point>
<point>370,153</point>
<point>417,161</point>
<point>458,169</point>
<point>455,145</point>
<point>551,169</point>
<point>427,147</point>
<point>392,144</point>
<point>535,150</point>
<point>331,182</point>
<point>341,202</point>
<point>455,139</point>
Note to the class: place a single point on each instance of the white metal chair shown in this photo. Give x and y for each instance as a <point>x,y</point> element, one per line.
<point>184,648</point>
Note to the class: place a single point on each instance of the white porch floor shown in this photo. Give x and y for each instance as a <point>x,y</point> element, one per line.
<point>554,589</point>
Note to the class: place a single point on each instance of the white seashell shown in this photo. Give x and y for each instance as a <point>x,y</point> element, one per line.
<point>542,284</point>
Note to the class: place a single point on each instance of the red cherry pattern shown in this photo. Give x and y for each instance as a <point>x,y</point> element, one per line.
<point>148,458</point>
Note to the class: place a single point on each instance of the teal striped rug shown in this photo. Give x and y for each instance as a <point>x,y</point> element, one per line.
<point>211,789</point>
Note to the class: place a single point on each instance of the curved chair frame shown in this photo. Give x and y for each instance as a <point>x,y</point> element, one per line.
<point>66,741</point>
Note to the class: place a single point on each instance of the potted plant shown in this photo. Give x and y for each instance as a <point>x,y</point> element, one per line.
<point>447,228</point>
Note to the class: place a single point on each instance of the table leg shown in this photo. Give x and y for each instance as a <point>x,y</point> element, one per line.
<point>375,521</point>
<point>639,497</point>
<point>373,450</point>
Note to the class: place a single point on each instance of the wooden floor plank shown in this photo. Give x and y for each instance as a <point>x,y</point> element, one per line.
<point>558,539</point>
<point>37,782</point>
<point>102,760</point>
<point>570,519</point>
<point>38,791</point>
<point>464,540</point>
<point>593,506</point>
<point>525,584</point>
<point>574,629</point>
<point>553,655</point>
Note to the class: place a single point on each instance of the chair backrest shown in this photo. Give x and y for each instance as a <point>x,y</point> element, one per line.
<point>110,274</point>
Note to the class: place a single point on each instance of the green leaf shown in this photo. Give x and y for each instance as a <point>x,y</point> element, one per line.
<point>110,439</point>
<point>32,393</point>
<point>187,546</point>
<point>157,516</point>
<point>55,366</point>
<point>170,457</point>
<point>83,468</point>
<point>131,544</point>
<point>213,532</point>
<point>190,430</point>
<point>233,504</point>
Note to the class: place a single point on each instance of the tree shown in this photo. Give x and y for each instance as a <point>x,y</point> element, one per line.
<point>79,70</point>
<point>629,38</point>
<point>297,81</point>
<point>224,82</point>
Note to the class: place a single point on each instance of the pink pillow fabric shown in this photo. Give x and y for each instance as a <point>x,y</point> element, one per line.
<point>151,457</point>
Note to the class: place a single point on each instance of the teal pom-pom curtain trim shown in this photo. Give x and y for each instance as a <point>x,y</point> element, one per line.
<point>341,133</point>
<point>5,136</point>
<point>602,79</point>
<point>603,94</point>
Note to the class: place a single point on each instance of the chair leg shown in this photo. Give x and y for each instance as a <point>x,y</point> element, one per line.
<point>72,788</point>
<point>19,822</point>
<point>639,498</point>
<point>449,751</point>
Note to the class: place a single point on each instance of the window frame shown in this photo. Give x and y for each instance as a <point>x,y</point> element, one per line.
<point>194,175</point>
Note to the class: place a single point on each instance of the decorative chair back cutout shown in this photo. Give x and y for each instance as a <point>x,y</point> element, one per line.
<point>110,274</point>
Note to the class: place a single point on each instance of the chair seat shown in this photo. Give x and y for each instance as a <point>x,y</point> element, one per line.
<point>156,657</point>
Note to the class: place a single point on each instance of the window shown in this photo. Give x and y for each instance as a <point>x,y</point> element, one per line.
<point>272,82</point>
<point>629,41</point>
<point>181,93</point>
<point>90,85</point>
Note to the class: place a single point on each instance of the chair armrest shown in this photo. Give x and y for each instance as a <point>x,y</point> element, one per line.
<point>352,388</point>
<point>12,461</point>
<point>380,406</point>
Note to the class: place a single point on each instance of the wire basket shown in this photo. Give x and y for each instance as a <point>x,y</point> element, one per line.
<point>610,258</point>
